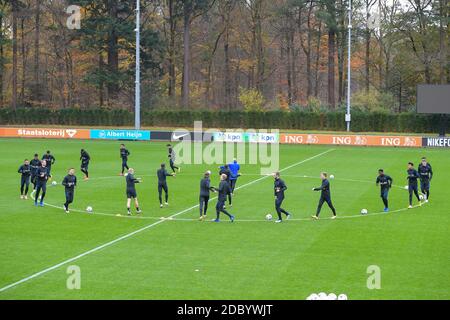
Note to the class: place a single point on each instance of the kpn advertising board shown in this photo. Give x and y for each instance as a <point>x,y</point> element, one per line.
<point>252,137</point>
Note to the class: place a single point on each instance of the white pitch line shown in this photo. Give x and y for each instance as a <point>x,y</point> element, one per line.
<point>35,275</point>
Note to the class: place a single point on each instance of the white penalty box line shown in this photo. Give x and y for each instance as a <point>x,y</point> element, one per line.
<point>126,236</point>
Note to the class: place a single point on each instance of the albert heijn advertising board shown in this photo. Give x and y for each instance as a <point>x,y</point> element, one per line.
<point>352,140</point>
<point>107,134</point>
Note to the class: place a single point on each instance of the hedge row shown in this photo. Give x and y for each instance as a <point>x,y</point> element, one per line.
<point>299,120</point>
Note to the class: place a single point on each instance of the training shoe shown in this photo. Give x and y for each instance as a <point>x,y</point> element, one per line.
<point>86,178</point>
<point>288,216</point>
<point>333,218</point>
<point>35,204</point>
<point>216,220</point>
<point>25,197</point>
<point>166,203</point>
<point>232,218</point>
<point>410,207</point>
<point>315,217</point>
<point>129,213</point>
<point>139,211</point>
<point>21,196</point>
<point>41,204</point>
<point>161,205</point>
<point>386,210</point>
<point>278,221</point>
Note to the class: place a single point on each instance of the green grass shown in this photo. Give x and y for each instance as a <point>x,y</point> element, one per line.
<point>244,260</point>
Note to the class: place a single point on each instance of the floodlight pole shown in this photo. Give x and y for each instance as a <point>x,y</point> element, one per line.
<point>348,117</point>
<point>137,101</point>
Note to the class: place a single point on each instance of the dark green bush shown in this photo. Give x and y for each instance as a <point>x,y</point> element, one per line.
<point>294,120</point>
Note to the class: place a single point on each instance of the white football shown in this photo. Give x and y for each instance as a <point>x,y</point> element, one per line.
<point>342,296</point>
<point>54,183</point>
<point>332,176</point>
<point>332,296</point>
<point>406,188</point>
<point>313,297</point>
<point>323,296</point>
<point>268,217</point>
<point>89,209</point>
<point>421,197</point>
<point>364,211</point>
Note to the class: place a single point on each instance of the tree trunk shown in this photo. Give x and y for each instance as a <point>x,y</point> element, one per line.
<point>316,69</point>
<point>226,50</point>
<point>331,67</point>
<point>289,68</point>
<point>259,47</point>
<point>70,79</point>
<point>101,87</point>
<point>37,31</point>
<point>14,45</point>
<point>171,49</point>
<point>293,67</point>
<point>443,14</point>
<point>186,54</point>
<point>341,47</point>
<point>367,58</point>
<point>1,60</point>
<point>24,62</point>
<point>308,53</point>
<point>113,53</point>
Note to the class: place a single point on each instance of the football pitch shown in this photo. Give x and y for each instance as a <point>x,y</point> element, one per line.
<point>179,257</point>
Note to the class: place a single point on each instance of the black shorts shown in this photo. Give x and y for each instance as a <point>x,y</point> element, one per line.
<point>425,185</point>
<point>163,186</point>
<point>41,185</point>
<point>131,194</point>
<point>69,195</point>
<point>25,180</point>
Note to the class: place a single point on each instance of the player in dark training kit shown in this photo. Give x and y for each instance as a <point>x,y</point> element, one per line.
<point>25,172</point>
<point>85,158</point>
<point>205,189</point>
<point>412,177</point>
<point>226,171</point>
<point>35,163</point>
<point>172,157</point>
<point>325,196</point>
<point>69,182</point>
<point>124,153</point>
<point>385,183</point>
<point>162,184</point>
<point>50,159</point>
<point>279,188</point>
<point>43,175</point>
<point>131,191</point>
<point>426,174</point>
<point>224,189</point>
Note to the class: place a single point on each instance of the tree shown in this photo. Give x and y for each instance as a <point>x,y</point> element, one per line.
<point>329,17</point>
<point>444,57</point>
<point>415,24</point>
<point>3,41</point>
<point>15,12</point>
<point>37,35</point>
